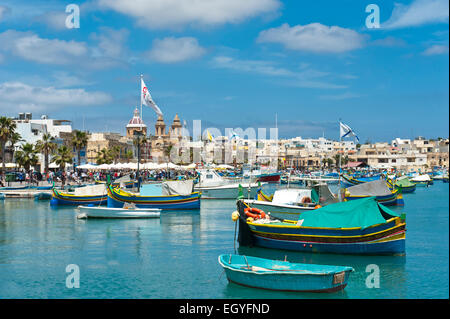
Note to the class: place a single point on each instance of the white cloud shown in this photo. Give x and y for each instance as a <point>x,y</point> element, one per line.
<point>418,13</point>
<point>436,50</point>
<point>314,37</point>
<point>19,96</point>
<point>172,50</point>
<point>106,53</point>
<point>173,14</point>
<point>31,47</point>
<point>56,20</point>
<point>305,78</point>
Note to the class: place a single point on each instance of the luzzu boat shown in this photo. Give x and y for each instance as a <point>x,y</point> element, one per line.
<point>422,180</point>
<point>355,227</point>
<point>118,197</point>
<point>290,203</point>
<point>60,198</point>
<point>379,189</point>
<point>403,184</point>
<point>350,181</point>
<point>283,275</point>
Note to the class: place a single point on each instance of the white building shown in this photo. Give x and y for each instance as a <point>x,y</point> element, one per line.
<point>31,130</point>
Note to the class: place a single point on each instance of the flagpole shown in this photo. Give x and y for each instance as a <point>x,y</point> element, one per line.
<point>340,156</point>
<point>142,118</point>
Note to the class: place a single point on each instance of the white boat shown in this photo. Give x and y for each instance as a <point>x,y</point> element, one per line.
<point>423,179</point>
<point>290,203</point>
<point>111,212</point>
<point>211,185</point>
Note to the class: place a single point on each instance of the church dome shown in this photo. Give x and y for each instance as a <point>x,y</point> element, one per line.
<point>136,121</point>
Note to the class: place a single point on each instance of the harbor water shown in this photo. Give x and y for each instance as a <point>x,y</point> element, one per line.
<point>176,256</point>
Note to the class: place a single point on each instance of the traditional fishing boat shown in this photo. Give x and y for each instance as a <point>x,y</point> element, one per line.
<point>355,227</point>
<point>348,181</point>
<point>290,203</point>
<point>283,275</point>
<point>187,200</point>
<point>422,180</point>
<point>94,194</point>
<point>379,189</point>
<point>213,186</point>
<point>403,184</point>
<point>109,212</point>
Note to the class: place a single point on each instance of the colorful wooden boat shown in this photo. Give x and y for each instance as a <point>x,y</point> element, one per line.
<point>118,197</point>
<point>268,177</point>
<point>283,275</point>
<point>348,181</point>
<point>60,198</point>
<point>109,212</point>
<point>379,189</point>
<point>422,180</point>
<point>290,203</point>
<point>403,184</point>
<point>355,227</point>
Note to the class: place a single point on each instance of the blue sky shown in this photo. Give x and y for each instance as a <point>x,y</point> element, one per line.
<point>232,64</point>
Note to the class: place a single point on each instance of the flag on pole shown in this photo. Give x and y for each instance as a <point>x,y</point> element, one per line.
<point>346,131</point>
<point>210,137</point>
<point>146,98</point>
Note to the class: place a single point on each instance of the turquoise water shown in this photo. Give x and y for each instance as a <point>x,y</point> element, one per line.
<point>176,256</point>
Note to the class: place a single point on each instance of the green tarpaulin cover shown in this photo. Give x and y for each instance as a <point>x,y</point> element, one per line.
<point>355,213</point>
<point>403,182</point>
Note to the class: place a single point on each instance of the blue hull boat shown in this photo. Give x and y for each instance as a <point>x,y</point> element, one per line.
<point>282,275</point>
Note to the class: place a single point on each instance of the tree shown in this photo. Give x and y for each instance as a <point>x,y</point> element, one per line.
<point>115,153</point>
<point>79,141</point>
<point>167,151</point>
<point>46,146</point>
<point>26,156</point>
<point>7,130</point>
<point>62,157</point>
<point>128,155</point>
<point>104,157</point>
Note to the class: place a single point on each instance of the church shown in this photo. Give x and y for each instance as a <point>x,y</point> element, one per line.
<point>155,150</point>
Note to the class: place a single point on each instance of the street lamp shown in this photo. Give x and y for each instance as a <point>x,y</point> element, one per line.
<point>139,138</point>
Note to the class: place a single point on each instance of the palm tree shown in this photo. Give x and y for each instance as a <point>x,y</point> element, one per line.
<point>7,129</point>
<point>115,153</point>
<point>79,141</point>
<point>104,157</point>
<point>62,157</point>
<point>15,138</point>
<point>139,141</point>
<point>26,156</point>
<point>167,151</point>
<point>46,146</point>
<point>128,155</point>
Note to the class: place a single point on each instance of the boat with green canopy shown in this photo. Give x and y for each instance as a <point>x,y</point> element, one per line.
<point>403,184</point>
<point>361,226</point>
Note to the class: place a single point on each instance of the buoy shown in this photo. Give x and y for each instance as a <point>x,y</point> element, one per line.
<point>250,220</point>
<point>317,206</point>
<point>234,216</point>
